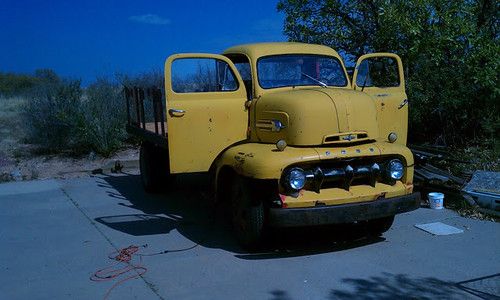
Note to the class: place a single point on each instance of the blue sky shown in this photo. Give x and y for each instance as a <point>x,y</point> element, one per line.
<point>85,39</point>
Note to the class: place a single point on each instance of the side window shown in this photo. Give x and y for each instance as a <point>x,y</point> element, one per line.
<point>201,75</point>
<point>242,64</point>
<point>244,69</point>
<point>379,72</point>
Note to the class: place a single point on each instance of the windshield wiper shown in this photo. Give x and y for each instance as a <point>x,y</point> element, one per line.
<point>321,83</point>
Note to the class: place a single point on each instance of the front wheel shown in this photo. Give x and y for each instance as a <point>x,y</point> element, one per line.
<point>247,214</point>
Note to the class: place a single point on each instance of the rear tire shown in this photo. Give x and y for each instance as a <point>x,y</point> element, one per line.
<point>377,227</point>
<point>247,214</point>
<point>154,166</point>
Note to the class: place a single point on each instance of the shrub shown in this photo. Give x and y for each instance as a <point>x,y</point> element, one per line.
<point>61,116</point>
<point>103,116</point>
<point>12,84</point>
<point>51,114</point>
<point>153,78</point>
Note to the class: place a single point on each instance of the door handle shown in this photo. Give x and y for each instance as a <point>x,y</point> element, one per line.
<point>176,112</point>
<point>403,103</point>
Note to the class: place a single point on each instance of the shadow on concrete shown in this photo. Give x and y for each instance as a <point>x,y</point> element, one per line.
<point>280,295</point>
<point>486,287</point>
<point>401,286</point>
<point>311,240</point>
<point>139,224</point>
<point>188,209</point>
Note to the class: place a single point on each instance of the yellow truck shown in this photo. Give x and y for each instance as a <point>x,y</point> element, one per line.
<point>287,137</point>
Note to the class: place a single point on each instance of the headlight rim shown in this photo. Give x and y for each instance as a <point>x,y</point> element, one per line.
<point>287,179</point>
<point>389,169</point>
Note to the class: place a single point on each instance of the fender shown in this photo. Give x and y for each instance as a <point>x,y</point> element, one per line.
<point>264,161</point>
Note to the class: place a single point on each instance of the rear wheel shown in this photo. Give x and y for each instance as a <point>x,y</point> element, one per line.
<point>247,213</point>
<point>154,166</point>
<point>377,227</point>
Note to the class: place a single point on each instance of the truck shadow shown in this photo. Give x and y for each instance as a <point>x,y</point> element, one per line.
<point>188,209</point>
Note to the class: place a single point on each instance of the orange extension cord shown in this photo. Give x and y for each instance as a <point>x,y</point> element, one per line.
<point>124,257</point>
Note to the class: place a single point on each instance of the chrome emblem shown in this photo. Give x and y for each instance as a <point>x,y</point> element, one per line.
<point>277,126</point>
<point>349,137</point>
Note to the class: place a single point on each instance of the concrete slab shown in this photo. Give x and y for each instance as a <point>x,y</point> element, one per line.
<point>56,238</point>
<point>28,187</point>
<point>438,228</point>
<point>49,249</point>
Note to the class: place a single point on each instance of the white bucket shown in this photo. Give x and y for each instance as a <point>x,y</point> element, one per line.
<point>436,200</point>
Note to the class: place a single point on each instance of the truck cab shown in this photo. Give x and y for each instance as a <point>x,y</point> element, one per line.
<point>287,137</point>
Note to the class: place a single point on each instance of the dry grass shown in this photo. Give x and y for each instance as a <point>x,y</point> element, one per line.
<point>17,154</point>
<point>11,127</point>
<point>11,134</point>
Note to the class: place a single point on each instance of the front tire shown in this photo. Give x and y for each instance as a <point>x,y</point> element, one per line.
<point>247,213</point>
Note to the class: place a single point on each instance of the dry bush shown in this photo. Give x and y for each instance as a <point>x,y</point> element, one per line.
<point>103,116</point>
<point>62,116</point>
<point>51,114</point>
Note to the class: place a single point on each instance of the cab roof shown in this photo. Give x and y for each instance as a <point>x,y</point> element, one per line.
<point>254,51</point>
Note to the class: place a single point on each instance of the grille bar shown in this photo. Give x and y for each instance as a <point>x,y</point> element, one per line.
<point>318,176</point>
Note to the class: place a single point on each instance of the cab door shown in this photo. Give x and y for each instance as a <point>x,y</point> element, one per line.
<point>381,76</point>
<point>205,103</point>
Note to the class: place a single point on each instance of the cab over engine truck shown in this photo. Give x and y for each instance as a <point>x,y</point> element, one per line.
<point>287,138</point>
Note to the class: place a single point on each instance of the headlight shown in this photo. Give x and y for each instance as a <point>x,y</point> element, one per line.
<point>395,169</point>
<point>296,179</point>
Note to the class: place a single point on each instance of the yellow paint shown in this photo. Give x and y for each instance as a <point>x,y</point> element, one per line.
<point>335,196</point>
<point>264,161</point>
<point>317,125</point>
<point>211,122</point>
<point>312,114</point>
<point>390,117</point>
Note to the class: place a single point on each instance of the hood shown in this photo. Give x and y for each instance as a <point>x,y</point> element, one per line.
<point>311,117</point>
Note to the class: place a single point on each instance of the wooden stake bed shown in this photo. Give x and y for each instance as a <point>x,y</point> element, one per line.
<point>154,132</point>
<point>151,127</point>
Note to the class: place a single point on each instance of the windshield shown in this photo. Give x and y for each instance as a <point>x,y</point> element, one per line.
<point>298,70</point>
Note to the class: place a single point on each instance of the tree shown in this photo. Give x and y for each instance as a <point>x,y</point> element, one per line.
<point>449,48</point>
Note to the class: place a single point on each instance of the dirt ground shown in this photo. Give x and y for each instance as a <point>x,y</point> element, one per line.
<point>20,161</point>
<point>63,167</point>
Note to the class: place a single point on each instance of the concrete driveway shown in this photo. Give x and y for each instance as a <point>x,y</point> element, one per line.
<point>55,234</point>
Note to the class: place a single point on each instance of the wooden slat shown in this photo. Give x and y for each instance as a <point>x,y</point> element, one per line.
<point>150,126</point>
<point>149,136</point>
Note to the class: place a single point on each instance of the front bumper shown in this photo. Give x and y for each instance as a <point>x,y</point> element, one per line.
<point>343,213</point>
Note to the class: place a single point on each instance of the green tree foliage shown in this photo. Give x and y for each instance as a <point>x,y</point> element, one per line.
<point>450,50</point>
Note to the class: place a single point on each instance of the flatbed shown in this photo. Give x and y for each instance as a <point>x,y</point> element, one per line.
<point>139,122</point>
